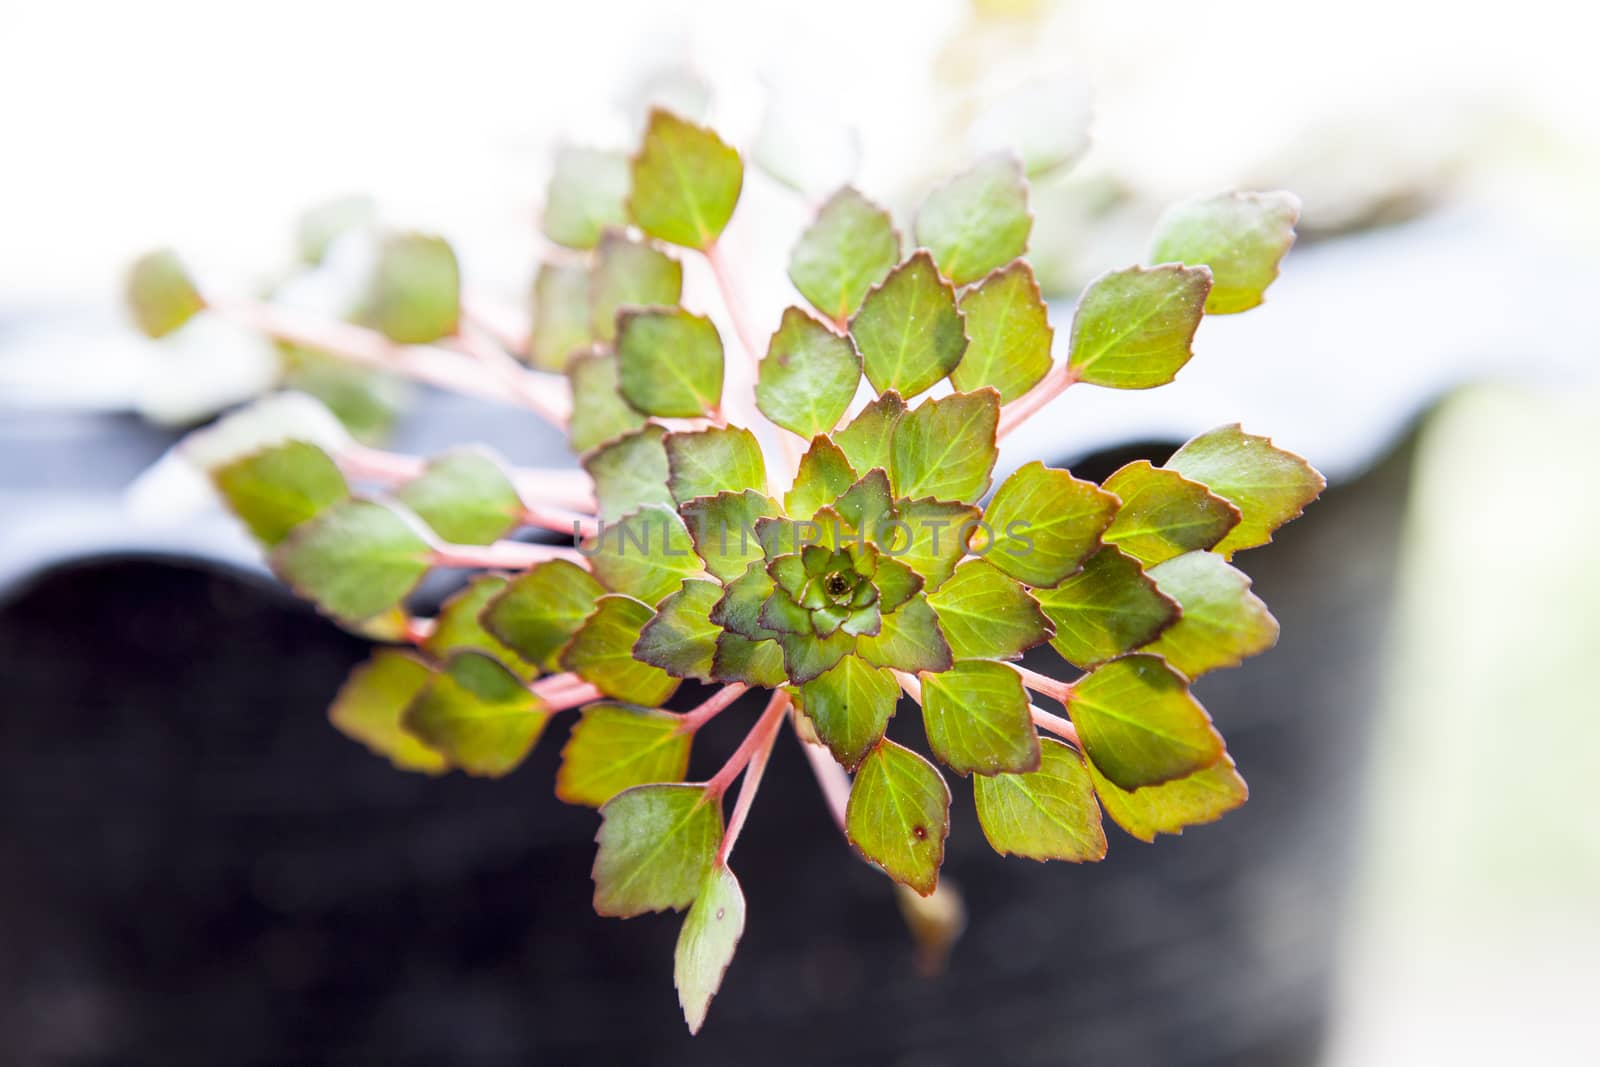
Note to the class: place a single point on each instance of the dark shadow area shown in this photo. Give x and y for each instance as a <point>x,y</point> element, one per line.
<point>200,870</point>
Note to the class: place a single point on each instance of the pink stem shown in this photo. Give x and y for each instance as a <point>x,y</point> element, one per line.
<point>504,555</point>
<point>1042,683</point>
<point>1028,404</point>
<point>693,720</point>
<point>569,489</point>
<point>911,684</point>
<point>572,697</point>
<point>1062,728</point>
<point>560,520</point>
<point>759,736</point>
<point>532,393</point>
<point>765,732</point>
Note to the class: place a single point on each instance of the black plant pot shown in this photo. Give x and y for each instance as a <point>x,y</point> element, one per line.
<point>199,870</point>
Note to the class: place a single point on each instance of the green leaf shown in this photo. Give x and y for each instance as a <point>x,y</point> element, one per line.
<point>985,615</point>
<point>1222,621</point>
<point>978,220</point>
<point>646,554</point>
<point>278,488</point>
<point>717,460</point>
<point>932,537</point>
<point>615,747</point>
<point>368,402</point>
<point>1140,725</point>
<point>321,226</point>
<point>868,442</point>
<point>540,610</point>
<point>458,627</point>
<point>1047,814</point>
<point>1109,607</point>
<point>722,529</point>
<point>807,656</point>
<point>710,933</point>
<point>480,715</point>
<point>629,274</point>
<point>371,703</point>
<point>1133,327</point>
<point>356,559</point>
<point>587,195</point>
<point>823,475</point>
<point>1202,797</point>
<point>808,377</point>
<point>415,294</point>
<point>466,497</point>
<point>629,472</point>
<point>1164,514</point>
<point>681,639</point>
<point>849,706</point>
<point>1268,485</point>
<point>669,362</point>
<point>160,294</point>
<point>599,413</point>
<point>850,247</point>
<point>755,663</point>
<point>739,610</point>
<point>866,505</point>
<point>909,641</point>
<point>898,815</point>
<point>685,182</point>
<point>908,330</point>
<point>978,719</point>
<point>560,316</point>
<point>1241,236</point>
<point>1045,523</point>
<point>601,652</point>
<point>657,844</point>
<point>946,447</point>
<point>1009,332</point>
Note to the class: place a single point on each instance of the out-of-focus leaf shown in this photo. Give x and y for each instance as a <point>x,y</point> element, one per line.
<point>160,294</point>
<point>669,362</point>
<point>587,195</point>
<point>1044,120</point>
<point>458,627</point>
<point>355,560</point>
<point>280,487</point>
<point>978,221</point>
<point>561,316</point>
<point>538,611</point>
<point>415,294</point>
<point>371,703</point>
<point>480,715</point>
<point>601,652</point>
<point>1242,237</point>
<point>330,220</point>
<point>629,274</point>
<point>599,413</point>
<point>850,247</point>
<point>630,472</point>
<point>686,182</point>
<point>466,496</point>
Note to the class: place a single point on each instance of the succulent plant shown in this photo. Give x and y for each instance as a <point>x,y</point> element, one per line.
<point>814,517</point>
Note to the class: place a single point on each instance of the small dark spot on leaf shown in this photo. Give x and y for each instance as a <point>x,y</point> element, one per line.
<point>919,832</point>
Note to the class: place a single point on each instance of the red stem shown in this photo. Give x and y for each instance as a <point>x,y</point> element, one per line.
<point>504,555</point>
<point>1028,404</point>
<point>1062,728</point>
<point>691,721</point>
<point>1042,683</point>
<point>764,733</point>
<point>568,489</point>
<point>759,735</point>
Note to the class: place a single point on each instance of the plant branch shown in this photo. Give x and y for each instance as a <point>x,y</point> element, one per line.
<point>1057,725</point>
<point>504,555</point>
<point>758,737</point>
<point>566,696</point>
<point>1042,683</point>
<point>691,721</point>
<point>440,367</point>
<point>766,732</point>
<point>472,341</point>
<point>1030,403</point>
<point>569,489</point>
<point>911,684</point>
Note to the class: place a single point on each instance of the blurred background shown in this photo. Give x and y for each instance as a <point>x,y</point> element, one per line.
<point>1432,330</point>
